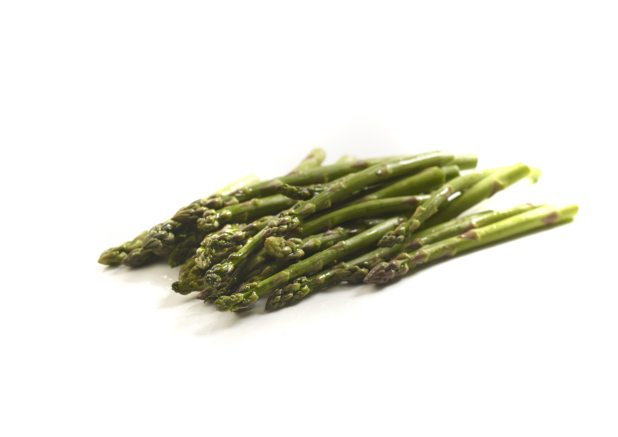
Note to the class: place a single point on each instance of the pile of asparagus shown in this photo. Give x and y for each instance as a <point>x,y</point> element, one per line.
<point>367,220</point>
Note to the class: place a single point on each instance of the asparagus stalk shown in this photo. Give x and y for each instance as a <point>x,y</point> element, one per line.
<point>216,243</point>
<point>243,211</point>
<point>415,184</point>
<point>314,159</point>
<point>487,187</point>
<point>196,209</point>
<point>297,289</point>
<point>429,207</point>
<point>121,254</point>
<point>255,271</point>
<point>295,248</point>
<point>115,255</point>
<point>289,220</point>
<point>372,207</point>
<point>316,175</point>
<point>524,222</point>
<point>465,162</point>
<point>186,249</point>
<point>249,293</point>
<point>352,271</point>
<point>450,172</point>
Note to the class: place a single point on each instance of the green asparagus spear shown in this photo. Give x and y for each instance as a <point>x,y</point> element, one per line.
<point>350,270</point>
<point>255,271</point>
<point>297,289</point>
<point>313,160</point>
<point>295,248</point>
<point>115,255</point>
<point>197,209</point>
<point>121,254</point>
<point>429,207</point>
<point>249,293</point>
<point>243,211</point>
<point>289,220</point>
<point>450,172</point>
<point>485,188</point>
<point>524,222</point>
<point>372,207</point>
<point>415,184</point>
<point>186,249</point>
<point>465,162</point>
<point>314,176</point>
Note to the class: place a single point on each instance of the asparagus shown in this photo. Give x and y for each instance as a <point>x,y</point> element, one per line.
<point>289,220</point>
<point>115,255</point>
<point>186,249</point>
<point>347,159</point>
<point>524,222</point>
<point>123,254</point>
<point>451,171</point>
<point>372,207</point>
<point>314,159</point>
<point>297,289</point>
<point>295,248</point>
<point>255,271</point>
<point>218,242</point>
<point>249,293</point>
<point>487,187</point>
<point>197,209</point>
<point>415,184</point>
<point>457,226</point>
<point>429,207</point>
<point>243,211</point>
<point>350,270</point>
<point>317,175</point>
<point>465,162</point>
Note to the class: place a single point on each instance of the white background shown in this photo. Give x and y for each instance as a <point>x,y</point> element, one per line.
<point>114,114</point>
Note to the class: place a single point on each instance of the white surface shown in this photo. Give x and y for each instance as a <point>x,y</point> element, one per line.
<point>114,114</point>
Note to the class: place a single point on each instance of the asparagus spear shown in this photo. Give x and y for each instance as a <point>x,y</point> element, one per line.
<point>297,289</point>
<point>162,239</point>
<point>243,211</point>
<point>415,184</point>
<point>249,293</point>
<point>450,172</point>
<point>186,249</point>
<point>289,220</point>
<point>115,255</point>
<point>429,207</point>
<point>351,270</point>
<point>487,187</point>
<point>524,222</point>
<point>465,162</point>
<point>313,176</point>
<point>295,248</point>
<point>118,255</point>
<point>195,210</point>
<point>255,271</point>
<point>314,159</point>
<point>230,235</point>
<point>372,207</point>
